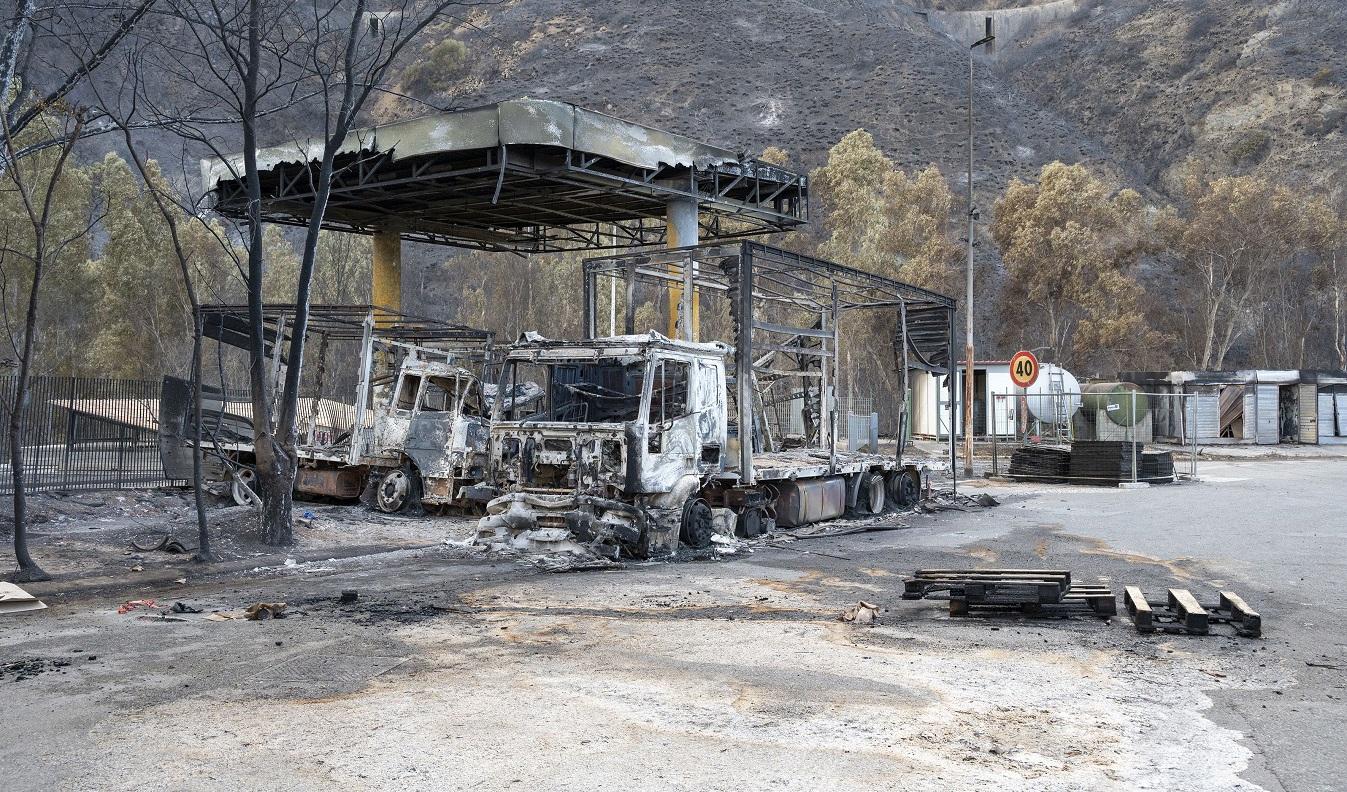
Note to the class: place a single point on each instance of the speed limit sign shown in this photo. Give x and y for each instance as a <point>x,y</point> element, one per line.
<point>1023,368</point>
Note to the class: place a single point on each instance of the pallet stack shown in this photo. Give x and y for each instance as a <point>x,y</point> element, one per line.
<point>1103,461</point>
<point>1040,463</point>
<point>1043,592</point>
<point>1156,467</point>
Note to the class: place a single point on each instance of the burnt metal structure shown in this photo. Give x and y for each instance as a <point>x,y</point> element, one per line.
<point>524,176</point>
<point>784,308</point>
<point>228,324</point>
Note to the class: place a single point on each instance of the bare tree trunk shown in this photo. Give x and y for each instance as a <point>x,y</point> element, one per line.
<point>203,552</point>
<point>28,568</point>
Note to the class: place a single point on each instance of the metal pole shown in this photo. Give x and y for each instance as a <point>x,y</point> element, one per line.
<point>1193,460</point>
<point>1132,430</point>
<point>743,364</point>
<point>968,296</point>
<point>968,306</point>
<point>951,372</point>
<point>831,399</point>
<point>906,385</point>
<point>996,398</point>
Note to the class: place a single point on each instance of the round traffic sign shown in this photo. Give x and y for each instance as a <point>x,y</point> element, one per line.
<point>1023,368</point>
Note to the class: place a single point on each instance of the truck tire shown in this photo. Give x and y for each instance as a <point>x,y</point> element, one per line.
<point>750,523</point>
<point>871,500</point>
<point>904,488</point>
<point>698,524</point>
<point>398,491</point>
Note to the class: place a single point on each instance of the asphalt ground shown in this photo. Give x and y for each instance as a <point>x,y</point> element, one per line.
<point>453,671</point>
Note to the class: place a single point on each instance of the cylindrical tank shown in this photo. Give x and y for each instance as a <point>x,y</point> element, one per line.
<point>1049,406</point>
<point>1115,399</point>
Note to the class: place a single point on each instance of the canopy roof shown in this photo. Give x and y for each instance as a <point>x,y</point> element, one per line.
<point>524,175</point>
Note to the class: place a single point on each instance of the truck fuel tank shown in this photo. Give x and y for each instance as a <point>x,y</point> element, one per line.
<point>810,500</point>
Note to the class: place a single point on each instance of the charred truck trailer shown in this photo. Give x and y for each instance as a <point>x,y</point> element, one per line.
<point>634,443</point>
<point>407,426</point>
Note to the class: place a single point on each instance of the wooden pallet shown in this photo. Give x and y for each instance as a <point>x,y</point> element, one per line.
<point>1047,592</point>
<point>1182,613</point>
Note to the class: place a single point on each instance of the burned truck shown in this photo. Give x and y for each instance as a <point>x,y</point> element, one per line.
<point>637,442</point>
<point>412,434</point>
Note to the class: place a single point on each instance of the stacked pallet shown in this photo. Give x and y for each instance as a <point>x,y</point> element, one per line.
<point>1040,463</point>
<point>1103,461</point>
<point>1045,592</point>
<point>1156,467</point>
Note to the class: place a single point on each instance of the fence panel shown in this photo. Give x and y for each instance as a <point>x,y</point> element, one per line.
<point>84,433</point>
<point>1121,437</point>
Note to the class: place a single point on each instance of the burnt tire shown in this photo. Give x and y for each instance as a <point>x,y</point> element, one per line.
<point>398,491</point>
<point>904,488</point>
<point>871,499</point>
<point>749,524</point>
<point>698,525</point>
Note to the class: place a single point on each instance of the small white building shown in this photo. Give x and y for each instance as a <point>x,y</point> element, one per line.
<point>930,401</point>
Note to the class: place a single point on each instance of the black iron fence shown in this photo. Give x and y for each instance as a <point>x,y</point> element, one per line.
<point>84,433</point>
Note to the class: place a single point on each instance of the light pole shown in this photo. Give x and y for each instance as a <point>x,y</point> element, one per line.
<point>987,38</point>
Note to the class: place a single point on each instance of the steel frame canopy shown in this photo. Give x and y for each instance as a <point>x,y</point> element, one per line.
<point>229,325</point>
<point>525,176</point>
<point>785,308</point>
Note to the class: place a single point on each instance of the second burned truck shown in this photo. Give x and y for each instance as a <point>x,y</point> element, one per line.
<point>637,442</point>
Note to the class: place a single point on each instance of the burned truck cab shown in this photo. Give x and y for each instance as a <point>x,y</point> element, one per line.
<point>601,441</point>
<point>427,439</point>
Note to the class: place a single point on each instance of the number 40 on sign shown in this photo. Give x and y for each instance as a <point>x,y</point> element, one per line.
<point>1023,368</point>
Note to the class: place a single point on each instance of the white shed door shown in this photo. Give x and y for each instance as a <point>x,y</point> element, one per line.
<point>1307,406</point>
<point>1268,423</point>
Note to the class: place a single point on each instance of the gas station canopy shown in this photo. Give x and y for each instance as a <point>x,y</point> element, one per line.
<point>525,176</point>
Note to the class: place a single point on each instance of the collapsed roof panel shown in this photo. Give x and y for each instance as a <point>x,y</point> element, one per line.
<point>525,176</point>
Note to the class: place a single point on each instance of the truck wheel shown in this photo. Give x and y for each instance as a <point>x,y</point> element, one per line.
<point>243,486</point>
<point>750,523</point>
<point>872,494</point>
<point>904,488</point>
<point>398,490</point>
<point>698,524</point>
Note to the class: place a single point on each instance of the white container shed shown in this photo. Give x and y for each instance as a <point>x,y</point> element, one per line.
<point>930,401</point>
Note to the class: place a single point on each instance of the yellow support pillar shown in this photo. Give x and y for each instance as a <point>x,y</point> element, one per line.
<point>681,220</point>
<point>386,272</point>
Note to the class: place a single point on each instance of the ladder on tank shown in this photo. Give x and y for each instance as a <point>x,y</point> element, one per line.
<point>1060,402</point>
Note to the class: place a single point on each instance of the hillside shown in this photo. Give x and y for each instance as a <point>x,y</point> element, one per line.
<point>1134,88</point>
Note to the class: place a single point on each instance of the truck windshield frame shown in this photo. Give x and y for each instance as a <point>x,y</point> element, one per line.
<point>583,389</point>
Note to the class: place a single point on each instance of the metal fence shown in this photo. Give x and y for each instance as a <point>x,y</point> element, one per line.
<point>84,433</point>
<point>1122,436</point>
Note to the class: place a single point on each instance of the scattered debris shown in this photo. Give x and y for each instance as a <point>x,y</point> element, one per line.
<point>15,600</point>
<point>572,562</point>
<point>265,610</point>
<point>138,568</point>
<point>821,530</point>
<point>861,613</point>
<point>28,668</point>
<point>150,543</point>
<point>182,607</point>
<point>1182,613</point>
<point>1046,592</point>
<point>130,605</point>
<point>944,500</point>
